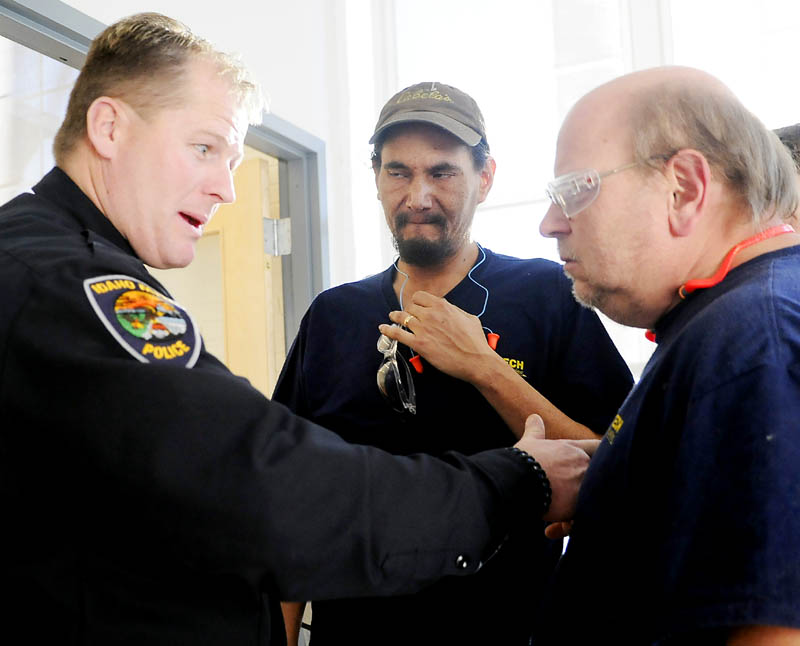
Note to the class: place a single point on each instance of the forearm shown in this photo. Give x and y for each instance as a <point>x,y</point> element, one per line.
<point>764,636</point>
<point>292,617</point>
<point>514,400</point>
<point>454,342</point>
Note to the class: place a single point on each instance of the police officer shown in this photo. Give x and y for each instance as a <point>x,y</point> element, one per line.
<point>149,495</point>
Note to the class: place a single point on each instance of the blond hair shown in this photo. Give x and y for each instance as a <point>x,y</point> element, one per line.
<point>740,150</point>
<point>143,59</point>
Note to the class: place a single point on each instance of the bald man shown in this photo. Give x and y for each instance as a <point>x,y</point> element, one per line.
<point>671,206</point>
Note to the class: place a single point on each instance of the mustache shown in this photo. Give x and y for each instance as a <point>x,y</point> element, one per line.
<point>402,219</point>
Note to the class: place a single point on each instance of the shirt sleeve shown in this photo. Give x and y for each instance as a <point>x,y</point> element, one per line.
<point>290,387</point>
<point>737,485</point>
<point>158,467</point>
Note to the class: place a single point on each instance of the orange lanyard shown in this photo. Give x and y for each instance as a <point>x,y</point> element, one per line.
<point>704,283</point>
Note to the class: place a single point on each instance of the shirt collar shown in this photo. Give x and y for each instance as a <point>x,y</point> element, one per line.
<point>58,188</point>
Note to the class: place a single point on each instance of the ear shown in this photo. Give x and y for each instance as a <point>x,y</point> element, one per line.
<point>689,176</point>
<point>487,178</point>
<point>104,122</point>
<point>376,171</point>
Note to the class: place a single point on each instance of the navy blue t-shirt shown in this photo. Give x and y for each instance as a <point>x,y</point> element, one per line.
<point>689,517</point>
<point>558,346</point>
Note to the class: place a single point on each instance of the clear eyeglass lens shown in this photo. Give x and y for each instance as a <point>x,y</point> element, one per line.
<point>394,378</point>
<point>575,191</point>
<point>385,344</point>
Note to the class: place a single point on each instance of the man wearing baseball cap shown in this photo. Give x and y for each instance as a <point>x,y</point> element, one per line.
<point>480,342</point>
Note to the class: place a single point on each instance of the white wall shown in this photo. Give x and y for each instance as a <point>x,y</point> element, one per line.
<point>297,51</point>
<point>328,66</point>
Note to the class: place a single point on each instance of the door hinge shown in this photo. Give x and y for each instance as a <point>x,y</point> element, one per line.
<point>277,236</point>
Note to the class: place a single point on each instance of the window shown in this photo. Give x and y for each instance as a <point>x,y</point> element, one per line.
<point>34,90</point>
<point>525,63</point>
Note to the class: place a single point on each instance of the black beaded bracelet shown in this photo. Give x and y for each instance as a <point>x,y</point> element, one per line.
<point>544,481</point>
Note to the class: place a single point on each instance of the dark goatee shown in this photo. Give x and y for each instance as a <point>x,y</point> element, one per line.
<point>422,252</point>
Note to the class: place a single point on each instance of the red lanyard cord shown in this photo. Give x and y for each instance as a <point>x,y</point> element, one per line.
<point>725,267</point>
<point>704,283</point>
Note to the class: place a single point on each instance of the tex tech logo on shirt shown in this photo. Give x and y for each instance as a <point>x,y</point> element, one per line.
<point>150,326</point>
<point>612,431</point>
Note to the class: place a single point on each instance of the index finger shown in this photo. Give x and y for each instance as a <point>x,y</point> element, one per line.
<point>589,446</point>
<point>397,333</point>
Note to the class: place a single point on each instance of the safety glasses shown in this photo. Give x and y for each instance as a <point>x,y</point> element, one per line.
<point>575,191</point>
<point>394,377</point>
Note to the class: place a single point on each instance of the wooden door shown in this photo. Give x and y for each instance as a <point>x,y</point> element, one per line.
<point>233,289</point>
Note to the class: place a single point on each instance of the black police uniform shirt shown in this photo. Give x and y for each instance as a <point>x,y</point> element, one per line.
<point>688,522</point>
<point>559,347</point>
<point>149,496</point>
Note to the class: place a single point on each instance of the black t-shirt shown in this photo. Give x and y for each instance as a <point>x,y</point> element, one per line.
<point>559,347</point>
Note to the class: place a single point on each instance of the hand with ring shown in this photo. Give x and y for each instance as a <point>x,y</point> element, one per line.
<point>443,334</point>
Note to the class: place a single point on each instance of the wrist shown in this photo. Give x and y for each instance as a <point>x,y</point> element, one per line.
<point>490,372</point>
<point>539,473</point>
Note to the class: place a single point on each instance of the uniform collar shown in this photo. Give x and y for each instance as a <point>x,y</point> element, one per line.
<point>58,188</point>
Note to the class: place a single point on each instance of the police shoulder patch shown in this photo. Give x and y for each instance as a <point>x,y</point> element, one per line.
<point>149,325</point>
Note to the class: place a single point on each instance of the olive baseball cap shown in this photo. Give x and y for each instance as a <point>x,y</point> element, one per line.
<point>441,105</point>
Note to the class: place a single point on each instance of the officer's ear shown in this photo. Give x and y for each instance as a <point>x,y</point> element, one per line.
<point>105,120</point>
